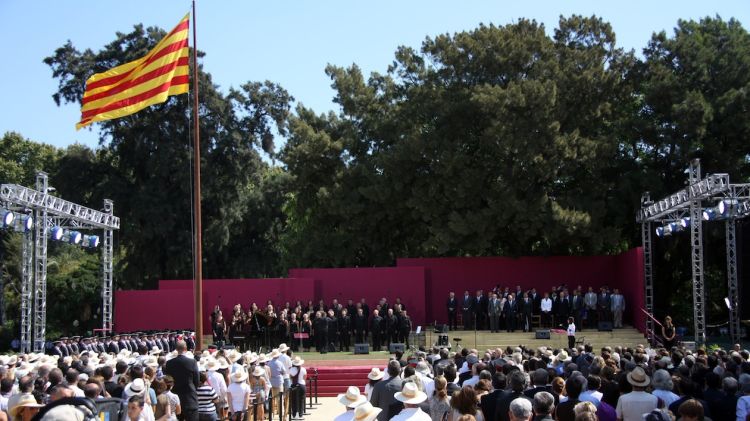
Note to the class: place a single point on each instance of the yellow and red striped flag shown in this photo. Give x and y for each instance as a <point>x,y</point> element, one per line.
<point>133,86</point>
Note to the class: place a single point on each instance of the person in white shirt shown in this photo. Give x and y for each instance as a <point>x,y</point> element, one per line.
<point>216,380</point>
<point>663,386</point>
<point>373,377</point>
<point>631,406</point>
<point>238,393</point>
<point>286,361</point>
<point>366,412</point>
<point>546,308</point>
<point>411,397</point>
<point>298,374</point>
<point>351,399</point>
<point>425,375</point>
<point>571,333</point>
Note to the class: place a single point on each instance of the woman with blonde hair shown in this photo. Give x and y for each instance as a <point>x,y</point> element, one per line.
<point>439,401</point>
<point>258,396</point>
<point>668,332</point>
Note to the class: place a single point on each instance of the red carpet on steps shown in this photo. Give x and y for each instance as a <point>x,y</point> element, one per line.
<point>333,380</point>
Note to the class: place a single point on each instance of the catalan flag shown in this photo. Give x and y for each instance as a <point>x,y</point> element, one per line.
<point>133,86</point>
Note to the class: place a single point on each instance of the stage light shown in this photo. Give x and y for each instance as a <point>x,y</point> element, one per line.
<point>668,229</point>
<point>660,231</point>
<point>56,233</point>
<point>709,214</point>
<point>90,241</point>
<point>24,224</point>
<point>684,222</point>
<point>727,207</point>
<point>72,237</point>
<point>7,217</point>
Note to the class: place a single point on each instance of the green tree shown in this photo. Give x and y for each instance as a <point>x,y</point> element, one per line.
<point>145,167</point>
<point>494,141</point>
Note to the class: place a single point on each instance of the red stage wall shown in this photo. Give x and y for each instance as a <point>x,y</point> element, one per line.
<point>422,284</point>
<point>472,273</point>
<point>372,284</point>
<point>153,310</point>
<point>175,300</point>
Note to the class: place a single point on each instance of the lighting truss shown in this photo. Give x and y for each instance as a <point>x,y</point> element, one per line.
<point>49,212</point>
<point>687,203</point>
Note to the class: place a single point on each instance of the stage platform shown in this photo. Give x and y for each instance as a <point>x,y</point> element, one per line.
<point>483,340</point>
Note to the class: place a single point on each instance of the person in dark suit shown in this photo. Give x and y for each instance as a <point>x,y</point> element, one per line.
<point>467,312</point>
<point>494,310</point>
<point>384,392</point>
<point>365,308</point>
<point>449,372</point>
<point>576,302</point>
<point>184,370</point>
<point>452,307</point>
<point>563,308</point>
<point>488,402</point>
<point>517,383</point>
<point>391,327</point>
<point>333,329</point>
<point>359,325</point>
<point>527,308</point>
<point>509,313</point>
<point>404,327</point>
<point>376,327</point>
<point>345,329</point>
<point>320,330</point>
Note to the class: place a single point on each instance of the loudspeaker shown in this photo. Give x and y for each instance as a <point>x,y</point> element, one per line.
<point>362,348</point>
<point>542,334</point>
<point>396,347</point>
<point>443,340</point>
<point>605,326</point>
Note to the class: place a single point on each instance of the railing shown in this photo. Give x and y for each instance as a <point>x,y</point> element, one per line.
<point>653,337</point>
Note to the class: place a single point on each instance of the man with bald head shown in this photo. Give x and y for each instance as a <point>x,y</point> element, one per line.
<point>184,370</point>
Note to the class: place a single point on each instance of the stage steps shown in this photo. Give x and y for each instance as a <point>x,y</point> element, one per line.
<point>333,381</point>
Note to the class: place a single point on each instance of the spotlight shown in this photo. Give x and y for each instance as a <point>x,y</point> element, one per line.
<point>72,237</point>
<point>7,217</point>
<point>91,241</point>
<point>660,231</point>
<point>24,224</point>
<point>684,222</point>
<point>668,229</point>
<point>727,207</point>
<point>56,233</point>
<point>709,214</point>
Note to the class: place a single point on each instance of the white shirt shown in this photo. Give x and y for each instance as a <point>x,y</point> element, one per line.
<point>287,362</point>
<point>743,407</point>
<point>238,392</point>
<point>665,395</point>
<point>302,374</point>
<point>471,381</point>
<point>216,380</point>
<point>631,406</point>
<point>546,304</point>
<point>412,414</point>
<point>572,329</point>
<point>429,384</point>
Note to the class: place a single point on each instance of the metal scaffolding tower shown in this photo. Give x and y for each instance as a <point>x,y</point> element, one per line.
<point>27,286</point>
<point>40,268</point>
<point>696,240</point>
<point>50,211</point>
<point>685,209</point>
<point>107,256</point>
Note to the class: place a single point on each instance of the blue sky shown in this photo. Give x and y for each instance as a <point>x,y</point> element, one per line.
<point>287,42</point>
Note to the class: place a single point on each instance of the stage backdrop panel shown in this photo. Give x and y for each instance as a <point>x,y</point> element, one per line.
<point>631,284</point>
<point>223,292</point>
<point>372,284</point>
<point>153,310</point>
<point>472,273</point>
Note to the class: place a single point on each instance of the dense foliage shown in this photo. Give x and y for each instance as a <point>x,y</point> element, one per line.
<point>501,140</point>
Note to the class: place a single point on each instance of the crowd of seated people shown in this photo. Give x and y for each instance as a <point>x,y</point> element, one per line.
<point>508,309</point>
<point>523,383</point>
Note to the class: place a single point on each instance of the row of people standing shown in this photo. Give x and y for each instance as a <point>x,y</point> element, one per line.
<point>334,327</point>
<point>502,309</point>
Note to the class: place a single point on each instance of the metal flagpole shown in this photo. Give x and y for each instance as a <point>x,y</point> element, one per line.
<point>198,251</point>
